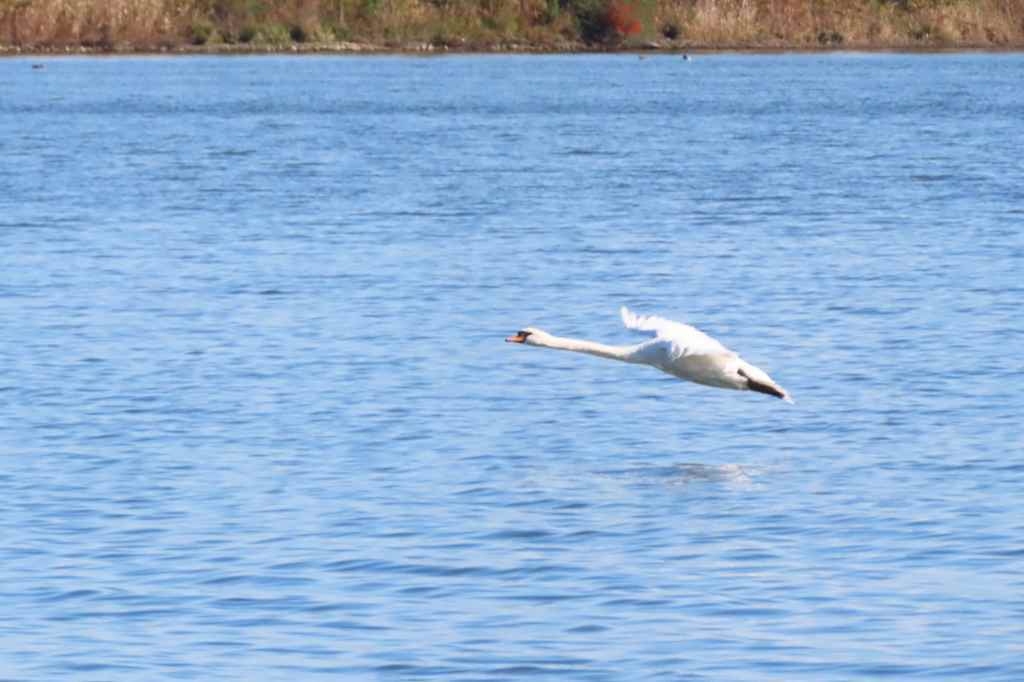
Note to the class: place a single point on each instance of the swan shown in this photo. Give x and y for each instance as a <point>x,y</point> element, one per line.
<point>678,349</point>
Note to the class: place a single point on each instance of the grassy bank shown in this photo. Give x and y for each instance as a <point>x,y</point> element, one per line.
<point>242,25</point>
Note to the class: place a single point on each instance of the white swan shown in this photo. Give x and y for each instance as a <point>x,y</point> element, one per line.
<point>678,349</point>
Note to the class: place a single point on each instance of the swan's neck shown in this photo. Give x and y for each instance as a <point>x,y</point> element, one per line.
<point>624,353</point>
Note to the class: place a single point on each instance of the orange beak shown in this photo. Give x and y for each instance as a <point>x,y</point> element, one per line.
<point>518,338</point>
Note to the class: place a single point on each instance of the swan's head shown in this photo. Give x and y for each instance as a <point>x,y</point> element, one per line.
<point>753,378</point>
<point>530,336</point>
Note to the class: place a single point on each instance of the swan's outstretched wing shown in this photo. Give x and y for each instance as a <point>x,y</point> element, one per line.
<point>686,340</point>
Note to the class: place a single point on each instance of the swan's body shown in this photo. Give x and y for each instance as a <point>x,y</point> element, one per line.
<point>678,349</point>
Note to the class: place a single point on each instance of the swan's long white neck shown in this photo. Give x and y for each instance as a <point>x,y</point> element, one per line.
<point>623,353</point>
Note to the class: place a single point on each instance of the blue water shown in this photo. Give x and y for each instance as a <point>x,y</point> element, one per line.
<point>259,421</point>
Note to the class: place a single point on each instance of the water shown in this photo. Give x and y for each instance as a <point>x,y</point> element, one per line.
<point>259,421</point>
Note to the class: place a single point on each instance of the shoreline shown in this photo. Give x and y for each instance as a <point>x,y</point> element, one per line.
<point>422,27</point>
<point>429,49</point>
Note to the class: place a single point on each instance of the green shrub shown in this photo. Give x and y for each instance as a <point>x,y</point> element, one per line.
<point>368,8</point>
<point>341,32</point>
<point>329,33</point>
<point>442,37</point>
<point>273,34</point>
<point>830,38</point>
<point>592,20</point>
<point>551,12</point>
<point>265,34</point>
<point>200,32</point>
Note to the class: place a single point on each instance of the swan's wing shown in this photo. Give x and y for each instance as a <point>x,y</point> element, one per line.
<point>660,353</point>
<point>684,339</point>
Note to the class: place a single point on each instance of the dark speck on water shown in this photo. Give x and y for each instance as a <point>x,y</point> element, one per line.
<point>260,422</point>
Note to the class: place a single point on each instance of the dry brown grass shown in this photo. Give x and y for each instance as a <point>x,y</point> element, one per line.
<point>146,24</point>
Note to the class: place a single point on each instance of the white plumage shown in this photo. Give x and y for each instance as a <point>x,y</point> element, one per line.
<point>678,349</point>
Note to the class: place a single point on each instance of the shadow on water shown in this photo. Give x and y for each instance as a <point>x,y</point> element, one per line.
<point>691,473</point>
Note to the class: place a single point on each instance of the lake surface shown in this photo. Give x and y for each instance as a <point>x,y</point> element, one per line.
<point>259,421</point>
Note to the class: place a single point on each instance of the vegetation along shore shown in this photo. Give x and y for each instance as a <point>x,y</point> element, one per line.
<point>59,26</point>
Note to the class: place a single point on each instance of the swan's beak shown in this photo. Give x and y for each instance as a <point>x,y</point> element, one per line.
<point>520,337</point>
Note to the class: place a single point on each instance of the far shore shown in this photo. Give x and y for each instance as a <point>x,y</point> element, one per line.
<point>427,49</point>
<point>429,27</point>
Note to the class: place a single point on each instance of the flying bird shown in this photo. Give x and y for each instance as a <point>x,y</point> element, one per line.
<point>678,349</point>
